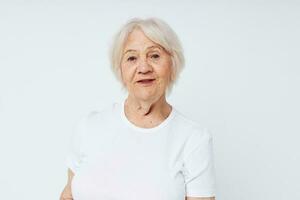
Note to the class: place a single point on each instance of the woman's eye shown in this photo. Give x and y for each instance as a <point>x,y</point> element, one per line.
<point>155,56</point>
<point>131,58</point>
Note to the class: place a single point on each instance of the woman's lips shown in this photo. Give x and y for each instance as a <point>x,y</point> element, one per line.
<point>146,82</point>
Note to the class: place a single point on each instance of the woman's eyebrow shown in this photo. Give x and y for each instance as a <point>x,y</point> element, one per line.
<point>129,50</point>
<point>151,47</point>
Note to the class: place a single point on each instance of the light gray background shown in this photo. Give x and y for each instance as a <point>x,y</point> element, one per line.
<point>241,81</point>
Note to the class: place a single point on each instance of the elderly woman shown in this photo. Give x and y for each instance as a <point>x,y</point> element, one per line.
<point>141,147</point>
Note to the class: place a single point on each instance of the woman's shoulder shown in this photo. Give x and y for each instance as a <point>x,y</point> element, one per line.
<point>186,121</point>
<point>189,125</point>
<point>98,112</point>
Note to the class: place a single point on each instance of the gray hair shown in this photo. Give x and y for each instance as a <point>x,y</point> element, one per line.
<point>159,32</point>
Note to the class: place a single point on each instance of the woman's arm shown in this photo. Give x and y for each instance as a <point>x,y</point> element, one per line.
<point>67,192</point>
<point>70,176</point>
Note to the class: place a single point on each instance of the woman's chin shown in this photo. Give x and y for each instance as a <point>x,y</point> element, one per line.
<point>145,96</point>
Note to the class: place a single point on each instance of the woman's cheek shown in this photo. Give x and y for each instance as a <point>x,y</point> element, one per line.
<point>160,84</point>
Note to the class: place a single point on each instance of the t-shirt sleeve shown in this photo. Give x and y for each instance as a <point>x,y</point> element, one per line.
<point>198,165</point>
<point>75,154</point>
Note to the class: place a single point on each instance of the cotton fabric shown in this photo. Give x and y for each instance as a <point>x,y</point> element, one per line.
<point>113,159</point>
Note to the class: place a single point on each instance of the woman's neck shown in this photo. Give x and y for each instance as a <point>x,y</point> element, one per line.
<point>147,113</point>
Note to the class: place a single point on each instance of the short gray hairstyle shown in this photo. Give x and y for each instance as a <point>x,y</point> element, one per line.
<point>159,32</point>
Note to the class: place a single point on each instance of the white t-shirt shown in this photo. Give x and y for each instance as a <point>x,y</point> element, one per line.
<point>113,159</point>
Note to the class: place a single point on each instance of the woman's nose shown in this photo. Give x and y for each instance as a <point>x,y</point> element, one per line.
<point>144,66</point>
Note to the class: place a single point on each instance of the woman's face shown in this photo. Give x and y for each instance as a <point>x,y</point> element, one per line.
<point>143,59</point>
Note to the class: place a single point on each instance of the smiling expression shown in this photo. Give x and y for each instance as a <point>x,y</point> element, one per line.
<point>145,66</point>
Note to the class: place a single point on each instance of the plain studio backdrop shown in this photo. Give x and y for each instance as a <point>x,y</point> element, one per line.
<point>241,80</point>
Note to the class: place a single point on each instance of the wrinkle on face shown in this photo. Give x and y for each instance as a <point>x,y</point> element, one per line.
<point>143,58</point>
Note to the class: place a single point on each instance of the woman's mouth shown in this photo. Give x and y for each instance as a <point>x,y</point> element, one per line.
<point>146,82</point>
